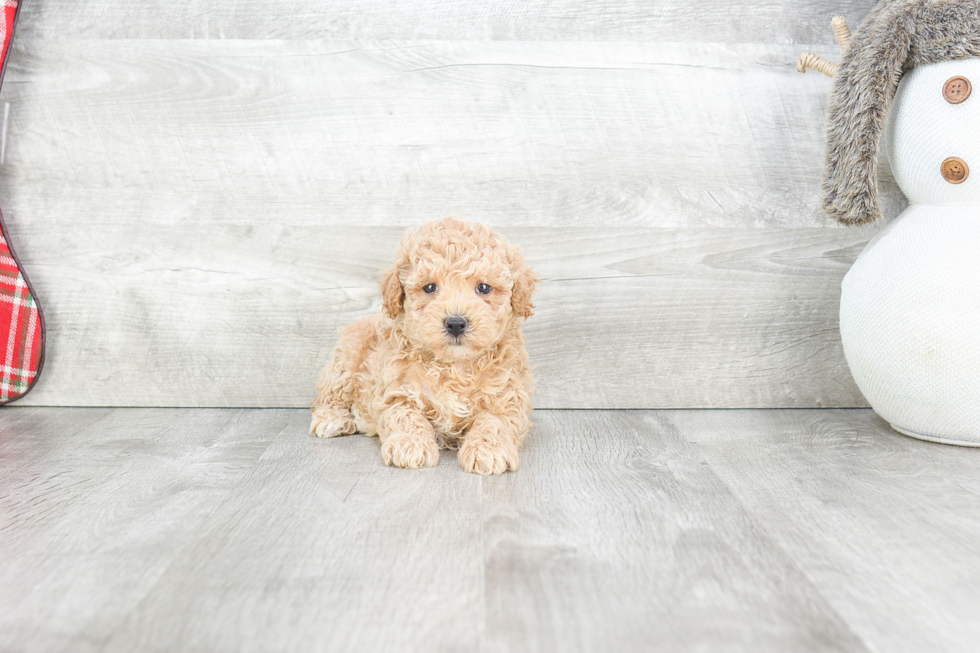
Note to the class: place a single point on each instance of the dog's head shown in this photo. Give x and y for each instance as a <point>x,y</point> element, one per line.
<point>456,287</point>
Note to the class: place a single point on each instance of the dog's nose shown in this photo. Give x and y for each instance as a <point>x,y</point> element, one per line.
<point>455,325</point>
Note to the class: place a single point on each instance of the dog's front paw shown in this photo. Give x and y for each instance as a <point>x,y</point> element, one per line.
<point>329,421</point>
<point>485,456</point>
<point>410,451</point>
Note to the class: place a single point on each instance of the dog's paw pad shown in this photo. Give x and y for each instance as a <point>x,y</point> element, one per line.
<point>329,422</point>
<point>487,457</point>
<point>410,451</point>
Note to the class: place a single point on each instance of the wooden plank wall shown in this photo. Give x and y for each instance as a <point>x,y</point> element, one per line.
<point>203,191</point>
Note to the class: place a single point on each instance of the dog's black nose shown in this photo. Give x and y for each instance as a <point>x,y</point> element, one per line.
<point>455,325</point>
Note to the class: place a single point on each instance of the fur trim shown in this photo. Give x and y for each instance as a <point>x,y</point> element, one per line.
<point>896,36</point>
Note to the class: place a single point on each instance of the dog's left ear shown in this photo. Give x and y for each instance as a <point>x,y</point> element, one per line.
<point>392,293</point>
<point>524,282</point>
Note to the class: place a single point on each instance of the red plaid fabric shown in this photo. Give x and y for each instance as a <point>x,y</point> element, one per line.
<point>20,320</point>
<point>20,329</point>
<point>7,26</point>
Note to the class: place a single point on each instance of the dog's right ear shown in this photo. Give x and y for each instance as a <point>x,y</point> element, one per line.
<point>392,293</point>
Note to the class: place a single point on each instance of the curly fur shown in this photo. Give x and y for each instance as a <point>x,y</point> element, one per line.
<point>896,36</point>
<point>402,376</point>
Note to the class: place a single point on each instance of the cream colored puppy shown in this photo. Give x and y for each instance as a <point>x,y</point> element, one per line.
<point>444,366</point>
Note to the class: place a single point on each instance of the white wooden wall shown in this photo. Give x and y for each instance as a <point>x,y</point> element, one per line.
<point>203,191</point>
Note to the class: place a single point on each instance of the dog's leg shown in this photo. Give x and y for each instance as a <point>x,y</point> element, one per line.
<point>332,420</point>
<point>407,438</point>
<point>335,393</point>
<point>490,445</point>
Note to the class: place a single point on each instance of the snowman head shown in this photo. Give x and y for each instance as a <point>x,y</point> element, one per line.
<point>933,133</point>
<point>896,37</point>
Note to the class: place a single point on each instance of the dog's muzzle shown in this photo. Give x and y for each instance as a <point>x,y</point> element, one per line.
<point>455,325</point>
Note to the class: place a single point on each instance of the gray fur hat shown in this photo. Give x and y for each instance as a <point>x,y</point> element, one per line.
<point>897,35</point>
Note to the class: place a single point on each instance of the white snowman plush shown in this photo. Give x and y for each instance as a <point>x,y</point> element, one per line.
<point>910,305</point>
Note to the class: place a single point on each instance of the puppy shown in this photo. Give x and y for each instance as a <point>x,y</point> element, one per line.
<point>444,366</point>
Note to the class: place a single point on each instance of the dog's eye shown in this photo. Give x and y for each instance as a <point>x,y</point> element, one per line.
<point>484,289</point>
<point>430,288</point>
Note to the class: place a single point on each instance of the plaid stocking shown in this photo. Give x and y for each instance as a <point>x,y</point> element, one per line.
<point>21,325</point>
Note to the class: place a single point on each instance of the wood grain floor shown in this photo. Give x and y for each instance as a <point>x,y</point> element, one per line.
<point>232,530</point>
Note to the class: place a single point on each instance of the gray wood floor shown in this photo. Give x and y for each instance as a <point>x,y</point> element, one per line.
<point>232,530</point>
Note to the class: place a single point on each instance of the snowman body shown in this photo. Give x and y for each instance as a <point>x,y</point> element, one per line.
<point>910,305</point>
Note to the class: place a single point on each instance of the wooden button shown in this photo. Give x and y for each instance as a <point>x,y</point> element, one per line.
<point>957,90</point>
<point>955,170</point>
